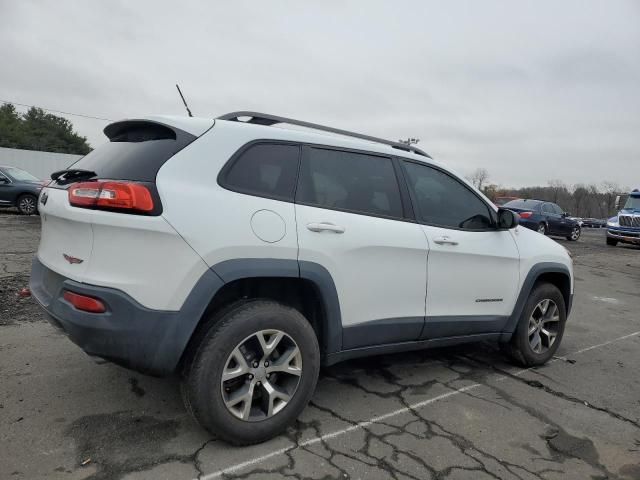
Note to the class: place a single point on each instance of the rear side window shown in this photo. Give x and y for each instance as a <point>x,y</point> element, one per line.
<point>136,150</point>
<point>444,201</point>
<point>349,181</point>
<point>265,169</point>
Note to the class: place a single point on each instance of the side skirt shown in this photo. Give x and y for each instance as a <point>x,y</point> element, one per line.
<point>407,347</point>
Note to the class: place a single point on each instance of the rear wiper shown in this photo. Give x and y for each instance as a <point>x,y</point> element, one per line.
<point>72,174</point>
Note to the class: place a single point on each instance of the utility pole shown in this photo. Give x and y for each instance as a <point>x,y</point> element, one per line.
<point>409,141</point>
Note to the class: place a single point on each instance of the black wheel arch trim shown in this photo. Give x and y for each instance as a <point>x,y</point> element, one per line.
<point>532,277</point>
<point>236,269</point>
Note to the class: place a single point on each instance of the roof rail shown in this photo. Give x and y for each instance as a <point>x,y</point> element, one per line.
<point>268,120</point>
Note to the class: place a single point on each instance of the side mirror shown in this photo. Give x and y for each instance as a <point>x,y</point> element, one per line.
<point>507,219</point>
<point>566,214</point>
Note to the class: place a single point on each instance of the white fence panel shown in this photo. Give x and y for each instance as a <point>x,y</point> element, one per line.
<point>40,164</point>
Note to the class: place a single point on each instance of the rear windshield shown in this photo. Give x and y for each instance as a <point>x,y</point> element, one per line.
<point>135,151</point>
<point>523,204</point>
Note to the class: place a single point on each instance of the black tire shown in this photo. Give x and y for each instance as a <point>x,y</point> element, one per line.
<point>612,242</point>
<point>201,387</point>
<point>542,228</point>
<point>575,234</point>
<point>519,348</point>
<point>27,204</point>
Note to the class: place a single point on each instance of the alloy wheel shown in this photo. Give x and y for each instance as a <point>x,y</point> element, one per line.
<point>544,324</point>
<point>27,205</point>
<point>542,229</point>
<point>261,375</point>
<point>575,234</point>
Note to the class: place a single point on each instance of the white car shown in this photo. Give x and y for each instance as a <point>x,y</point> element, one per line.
<point>243,256</point>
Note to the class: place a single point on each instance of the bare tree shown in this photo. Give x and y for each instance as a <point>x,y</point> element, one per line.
<point>610,191</point>
<point>479,177</point>
<point>557,187</point>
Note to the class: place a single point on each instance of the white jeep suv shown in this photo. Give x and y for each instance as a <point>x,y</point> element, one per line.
<point>244,256</point>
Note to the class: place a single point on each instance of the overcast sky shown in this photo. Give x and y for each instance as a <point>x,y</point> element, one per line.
<point>531,91</point>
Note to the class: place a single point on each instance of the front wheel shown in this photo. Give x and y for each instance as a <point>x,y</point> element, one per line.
<point>540,327</point>
<point>27,204</point>
<point>611,242</point>
<point>253,373</point>
<point>575,234</point>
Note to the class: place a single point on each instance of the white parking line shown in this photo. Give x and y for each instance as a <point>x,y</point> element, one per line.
<point>400,411</point>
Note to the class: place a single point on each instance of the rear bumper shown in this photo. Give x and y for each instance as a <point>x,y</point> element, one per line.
<point>624,235</point>
<point>129,334</point>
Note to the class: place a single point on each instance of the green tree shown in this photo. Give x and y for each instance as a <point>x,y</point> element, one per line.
<point>38,130</point>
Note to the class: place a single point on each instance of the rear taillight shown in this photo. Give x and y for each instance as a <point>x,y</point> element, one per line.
<point>525,214</point>
<point>84,302</point>
<point>111,195</point>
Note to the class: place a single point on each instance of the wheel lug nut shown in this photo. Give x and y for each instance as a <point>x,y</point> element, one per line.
<point>266,364</point>
<point>250,376</point>
<point>255,364</point>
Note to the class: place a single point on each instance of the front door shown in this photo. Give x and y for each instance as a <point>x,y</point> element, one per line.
<point>473,268</point>
<point>350,220</point>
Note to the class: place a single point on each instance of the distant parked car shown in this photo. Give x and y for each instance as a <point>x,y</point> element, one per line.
<point>594,222</point>
<point>19,189</point>
<point>546,218</point>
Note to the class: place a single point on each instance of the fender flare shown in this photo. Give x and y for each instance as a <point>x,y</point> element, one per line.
<point>237,269</point>
<point>529,281</point>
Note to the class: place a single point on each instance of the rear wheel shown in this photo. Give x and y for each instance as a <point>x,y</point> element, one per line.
<point>253,373</point>
<point>575,234</point>
<point>540,328</point>
<point>612,242</point>
<point>27,204</point>
<point>542,228</point>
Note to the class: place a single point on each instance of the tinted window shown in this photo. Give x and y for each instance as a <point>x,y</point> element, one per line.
<point>523,204</point>
<point>547,208</point>
<point>136,151</point>
<point>349,181</point>
<point>268,170</point>
<point>557,209</point>
<point>20,175</point>
<point>443,200</point>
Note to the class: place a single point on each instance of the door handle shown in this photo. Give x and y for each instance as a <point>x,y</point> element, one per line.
<point>444,240</point>
<point>325,227</point>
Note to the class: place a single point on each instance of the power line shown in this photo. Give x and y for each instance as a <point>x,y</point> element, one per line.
<point>57,111</point>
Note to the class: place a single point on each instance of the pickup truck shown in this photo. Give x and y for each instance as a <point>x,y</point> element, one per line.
<point>625,226</point>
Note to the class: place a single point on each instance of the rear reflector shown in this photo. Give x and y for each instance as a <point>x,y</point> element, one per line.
<point>108,195</point>
<point>525,214</point>
<point>84,303</point>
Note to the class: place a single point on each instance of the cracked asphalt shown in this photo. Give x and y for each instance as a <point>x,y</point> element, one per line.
<point>453,413</point>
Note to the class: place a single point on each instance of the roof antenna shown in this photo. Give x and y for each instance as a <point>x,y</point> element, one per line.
<point>184,101</point>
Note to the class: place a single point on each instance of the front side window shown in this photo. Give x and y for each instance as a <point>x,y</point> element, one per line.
<point>265,169</point>
<point>20,175</point>
<point>442,200</point>
<point>349,181</point>
<point>556,209</point>
<point>547,208</point>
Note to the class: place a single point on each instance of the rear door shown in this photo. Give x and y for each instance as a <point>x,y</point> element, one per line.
<point>473,268</point>
<point>350,220</point>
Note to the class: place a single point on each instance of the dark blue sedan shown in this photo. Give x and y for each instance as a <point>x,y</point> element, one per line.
<point>546,218</point>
